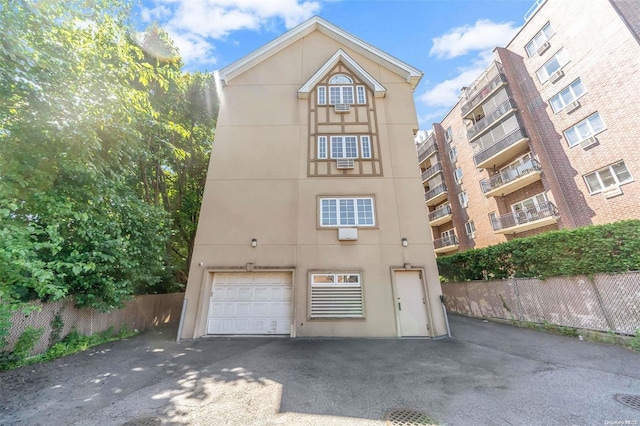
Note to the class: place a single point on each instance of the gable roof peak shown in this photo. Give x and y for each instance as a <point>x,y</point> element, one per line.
<point>316,23</point>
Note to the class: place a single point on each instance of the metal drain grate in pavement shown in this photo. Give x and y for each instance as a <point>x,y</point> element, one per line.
<point>408,418</point>
<point>144,421</point>
<point>631,401</point>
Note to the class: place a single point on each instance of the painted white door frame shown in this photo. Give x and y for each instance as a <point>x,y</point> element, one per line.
<point>395,295</point>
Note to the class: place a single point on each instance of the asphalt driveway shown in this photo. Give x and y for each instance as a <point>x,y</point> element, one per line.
<point>487,374</point>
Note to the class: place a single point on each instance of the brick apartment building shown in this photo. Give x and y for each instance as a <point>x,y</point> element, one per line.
<point>547,137</point>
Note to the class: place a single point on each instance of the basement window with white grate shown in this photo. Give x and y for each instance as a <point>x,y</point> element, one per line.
<point>336,296</point>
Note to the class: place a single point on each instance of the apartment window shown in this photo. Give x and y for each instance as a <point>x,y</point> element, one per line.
<point>614,175</point>
<point>336,295</point>
<point>539,39</point>
<point>322,147</point>
<point>588,127</point>
<point>558,61</point>
<point>360,92</point>
<point>448,233</point>
<point>346,212</point>
<point>493,219</point>
<point>457,174</point>
<point>448,134</point>
<point>322,95</point>
<point>463,198</point>
<point>567,95</point>
<point>365,146</point>
<point>344,147</point>
<point>453,154</point>
<point>470,227</point>
<point>340,95</point>
<point>532,203</point>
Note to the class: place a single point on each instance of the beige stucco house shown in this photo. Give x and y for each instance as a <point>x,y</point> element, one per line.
<point>313,217</point>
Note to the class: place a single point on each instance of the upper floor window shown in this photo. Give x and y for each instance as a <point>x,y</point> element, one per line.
<point>453,154</point>
<point>613,175</point>
<point>448,134</point>
<point>554,64</point>
<point>470,227</point>
<point>362,98</point>
<point>567,95</point>
<point>585,129</point>
<point>344,147</point>
<point>342,90</point>
<point>538,41</point>
<point>322,95</point>
<point>340,79</point>
<point>463,198</point>
<point>457,174</point>
<point>365,145</point>
<point>534,204</point>
<point>346,212</point>
<point>449,233</point>
<point>340,95</point>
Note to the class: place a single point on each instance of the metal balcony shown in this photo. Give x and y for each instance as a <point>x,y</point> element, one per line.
<point>511,179</point>
<point>524,220</point>
<point>440,215</point>
<point>435,195</point>
<point>503,150</point>
<point>431,171</point>
<point>483,93</point>
<point>477,129</point>
<point>446,244</point>
<point>426,150</point>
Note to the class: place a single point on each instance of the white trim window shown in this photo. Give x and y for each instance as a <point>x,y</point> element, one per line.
<point>344,147</point>
<point>365,146</point>
<point>336,212</point>
<point>340,95</point>
<point>336,295</point>
<point>539,39</point>
<point>526,210</point>
<point>470,228</point>
<point>457,174</point>
<point>361,95</point>
<point>588,127</point>
<point>453,154</point>
<point>322,147</point>
<point>464,199</point>
<point>322,95</point>
<point>613,175</point>
<point>567,95</point>
<point>554,64</point>
<point>449,233</point>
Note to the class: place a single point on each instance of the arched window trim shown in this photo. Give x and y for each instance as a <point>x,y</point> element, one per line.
<point>341,79</point>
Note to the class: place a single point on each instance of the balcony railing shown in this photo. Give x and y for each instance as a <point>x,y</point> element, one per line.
<point>528,215</point>
<point>426,150</point>
<point>436,168</point>
<point>440,212</point>
<point>501,145</point>
<point>435,192</point>
<point>483,93</point>
<point>490,118</point>
<point>509,175</point>
<point>449,240</point>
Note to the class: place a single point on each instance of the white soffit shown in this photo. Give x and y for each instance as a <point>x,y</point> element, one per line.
<point>411,74</point>
<point>341,56</point>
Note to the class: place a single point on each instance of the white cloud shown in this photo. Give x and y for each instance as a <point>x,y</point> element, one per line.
<point>193,24</point>
<point>484,34</point>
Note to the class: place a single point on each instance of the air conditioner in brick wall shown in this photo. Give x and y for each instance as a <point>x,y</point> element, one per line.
<point>572,107</point>
<point>556,76</point>
<point>588,143</point>
<point>543,48</point>
<point>612,191</point>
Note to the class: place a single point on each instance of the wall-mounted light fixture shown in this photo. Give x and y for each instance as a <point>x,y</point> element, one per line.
<point>405,242</point>
<point>254,242</point>
<point>407,266</point>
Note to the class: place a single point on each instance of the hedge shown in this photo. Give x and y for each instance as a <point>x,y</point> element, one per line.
<point>614,247</point>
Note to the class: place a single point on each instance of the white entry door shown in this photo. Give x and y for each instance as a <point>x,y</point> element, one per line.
<point>250,303</point>
<point>411,304</point>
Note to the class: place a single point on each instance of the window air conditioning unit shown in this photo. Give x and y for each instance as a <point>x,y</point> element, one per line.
<point>543,48</point>
<point>612,191</point>
<point>342,107</point>
<point>345,163</point>
<point>556,76</point>
<point>572,106</point>
<point>347,234</point>
<point>588,143</point>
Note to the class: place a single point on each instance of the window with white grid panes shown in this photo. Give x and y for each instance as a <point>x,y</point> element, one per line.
<point>613,175</point>
<point>322,147</point>
<point>361,95</point>
<point>322,95</point>
<point>539,39</point>
<point>586,128</point>
<point>365,146</point>
<point>470,227</point>
<point>344,147</point>
<point>567,95</point>
<point>558,61</point>
<point>357,211</point>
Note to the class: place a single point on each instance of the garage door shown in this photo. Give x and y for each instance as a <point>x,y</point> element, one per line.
<point>250,303</point>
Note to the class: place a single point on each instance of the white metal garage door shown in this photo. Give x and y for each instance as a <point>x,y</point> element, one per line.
<point>250,303</point>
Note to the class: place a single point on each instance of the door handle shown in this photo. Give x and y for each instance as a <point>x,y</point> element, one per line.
<point>399,306</point>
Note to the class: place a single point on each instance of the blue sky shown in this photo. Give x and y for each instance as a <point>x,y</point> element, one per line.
<point>450,40</point>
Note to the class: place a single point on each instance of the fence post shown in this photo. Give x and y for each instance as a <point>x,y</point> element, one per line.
<point>519,302</point>
<point>610,323</point>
